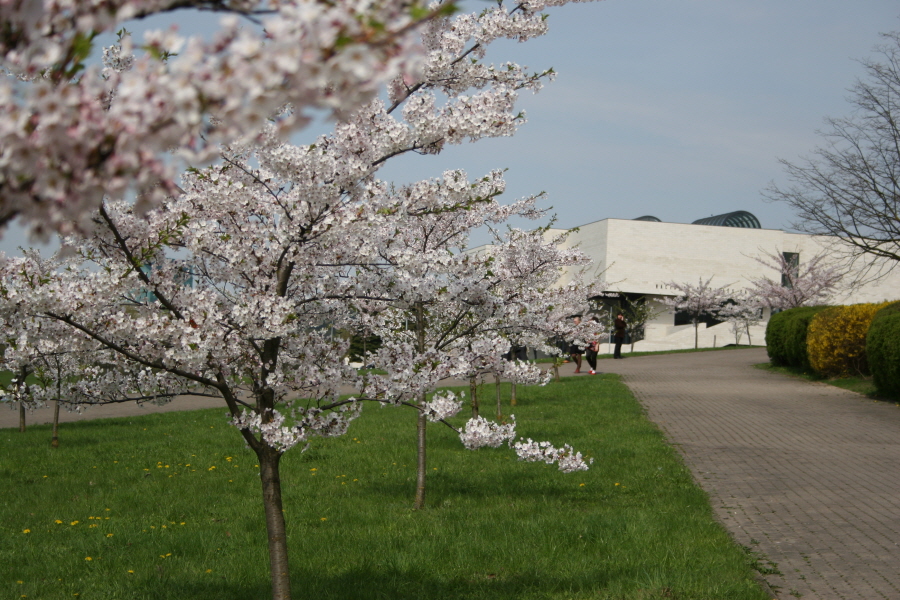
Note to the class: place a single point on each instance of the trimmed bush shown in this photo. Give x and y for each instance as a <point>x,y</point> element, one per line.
<point>775,336</point>
<point>836,339</point>
<point>883,350</point>
<point>786,336</point>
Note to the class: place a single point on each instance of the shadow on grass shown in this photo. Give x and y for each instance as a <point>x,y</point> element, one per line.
<point>386,583</point>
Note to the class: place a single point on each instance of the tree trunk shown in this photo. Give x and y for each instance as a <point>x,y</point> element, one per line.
<point>497,389</point>
<point>555,372</point>
<point>473,391</point>
<point>696,334</point>
<point>421,421</point>
<point>54,443</point>
<point>749,340</point>
<point>421,465</point>
<point>21,415</point>
<point>275,526</point>
<point>512,394</point>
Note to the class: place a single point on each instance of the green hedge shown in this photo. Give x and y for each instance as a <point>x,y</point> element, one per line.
<point>883,350</point>
<point>786,336</point>
<point>775,332</point>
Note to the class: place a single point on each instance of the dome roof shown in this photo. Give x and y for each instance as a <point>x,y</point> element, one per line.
<point>648,218</point>
<point>738,218</point>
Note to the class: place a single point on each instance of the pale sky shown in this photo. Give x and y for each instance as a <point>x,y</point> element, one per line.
<point>674,108</point>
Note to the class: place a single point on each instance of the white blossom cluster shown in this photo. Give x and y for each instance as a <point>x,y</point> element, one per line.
<point>443,405</point>
<point>565,458</point>
<point>70,136</point>
<point>478,432</point>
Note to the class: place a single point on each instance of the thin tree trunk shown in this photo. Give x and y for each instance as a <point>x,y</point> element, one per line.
<point>512,394</point>
<point>269,459</point>
<point>696,334</point>
<point>555,372</point>
<point>21,415</point>
<point>54,443</point>
<point>749,340</point>
<point>421,421</point>
<point>473,391</point>
<point>421,465</point>
<point>497,389</point>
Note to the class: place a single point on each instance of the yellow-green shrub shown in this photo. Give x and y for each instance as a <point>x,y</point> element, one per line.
<point>836,340</point>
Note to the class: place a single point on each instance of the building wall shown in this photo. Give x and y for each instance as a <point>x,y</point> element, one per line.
<point>643,256</point>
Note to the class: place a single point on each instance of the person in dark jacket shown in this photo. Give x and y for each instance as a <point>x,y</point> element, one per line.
<point>619,335</point>
<point>575,350</point>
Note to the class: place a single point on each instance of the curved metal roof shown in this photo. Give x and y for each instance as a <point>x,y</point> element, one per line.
<point>648,218</point>
<point>738,218</point>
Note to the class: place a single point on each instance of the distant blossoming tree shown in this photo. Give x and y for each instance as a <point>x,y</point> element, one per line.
<point>742,311</point>
<point>696,301</point>
<point>796,283</point>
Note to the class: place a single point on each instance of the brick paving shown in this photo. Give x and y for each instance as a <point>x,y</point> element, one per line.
<point>806,474</point>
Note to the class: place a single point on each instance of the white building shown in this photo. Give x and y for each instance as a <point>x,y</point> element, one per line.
<point>637,258</point>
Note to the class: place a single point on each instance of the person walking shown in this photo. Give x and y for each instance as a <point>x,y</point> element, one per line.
<point>619,326</point>
<point>575,349</point>
<point>590,354</point>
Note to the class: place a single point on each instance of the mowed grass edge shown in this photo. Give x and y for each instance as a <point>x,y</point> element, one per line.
<point>167,506</point>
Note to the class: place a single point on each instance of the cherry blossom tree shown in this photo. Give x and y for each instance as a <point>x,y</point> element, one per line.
<point>742,311</point>
<point>463,309</point>
<point>697,300</point>
<point>281,244</point>
<point>796,283</point>
<point>637,314</point>
<point>73,132</point>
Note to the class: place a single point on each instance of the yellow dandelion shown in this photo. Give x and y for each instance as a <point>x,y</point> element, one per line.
<point>324,518</point>
<point>109,535</point>
<point>26,531</point>
<point>314,469</point>
<point>209,570</point>
<point>131,571</point>
<point>580,485</point>
<point>182,523</point>
<point>356,480</point>
<point>92,525</point>
<point>74,523</point>
<point>617,484</point>
<point>20,582</point>
<point>88,558</point>
<point>211,468</point>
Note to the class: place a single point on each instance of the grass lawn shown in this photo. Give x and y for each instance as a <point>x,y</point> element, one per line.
<point>168,506</point>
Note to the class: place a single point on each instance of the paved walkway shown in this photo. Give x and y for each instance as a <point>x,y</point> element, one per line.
<point>806,474</point>
<point>809,471</point>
